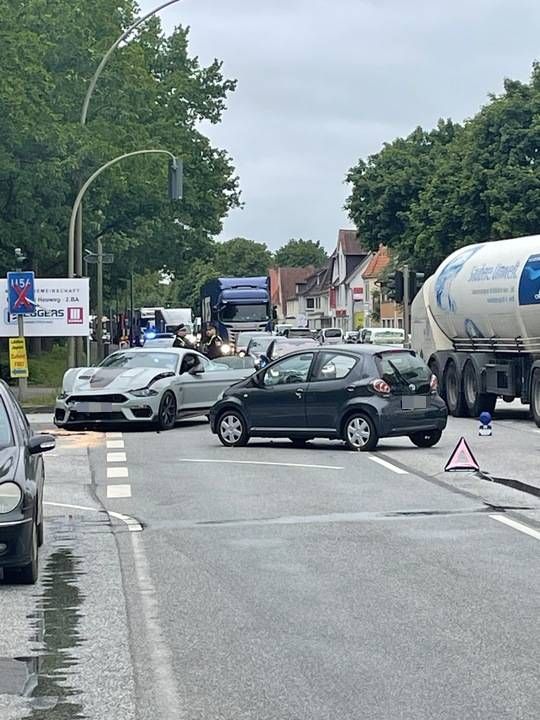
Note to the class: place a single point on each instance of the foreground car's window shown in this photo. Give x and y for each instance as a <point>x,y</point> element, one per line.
<point>400,369</point>
<point>141,359</point>
<point>6,436</point>
<point>291,370</point>
<point>334,367</point>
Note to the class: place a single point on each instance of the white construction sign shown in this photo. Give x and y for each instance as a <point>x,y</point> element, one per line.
<point>62,309</point>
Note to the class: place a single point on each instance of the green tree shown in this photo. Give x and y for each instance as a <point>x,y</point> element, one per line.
<point>152,94</point>
<point>300,253</point>
<point>241,257</point>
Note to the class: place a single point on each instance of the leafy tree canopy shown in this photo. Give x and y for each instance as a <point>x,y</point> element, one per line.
<point>152,94</point>
<point>300,253</point>
<point>432,192</point>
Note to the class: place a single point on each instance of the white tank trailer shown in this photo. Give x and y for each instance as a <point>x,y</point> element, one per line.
<point>476,322</point>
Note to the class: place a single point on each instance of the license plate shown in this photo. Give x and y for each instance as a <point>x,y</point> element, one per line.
<point>92,407</point>
<point>413,402</point>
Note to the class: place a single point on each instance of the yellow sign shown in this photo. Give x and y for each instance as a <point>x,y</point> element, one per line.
<point>358,320</point>
<point>18,361</point>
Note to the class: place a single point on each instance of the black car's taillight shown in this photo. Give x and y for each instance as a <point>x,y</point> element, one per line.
<point>381,387</point>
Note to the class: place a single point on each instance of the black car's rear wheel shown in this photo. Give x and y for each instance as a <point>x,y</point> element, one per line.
<point>167,412</point>
<point>426,439</point>
<point>231,429</point>
<point>360,433</point>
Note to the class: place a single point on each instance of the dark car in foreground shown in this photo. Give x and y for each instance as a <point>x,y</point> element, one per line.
<point>21,490</point>
<point>354,393</point>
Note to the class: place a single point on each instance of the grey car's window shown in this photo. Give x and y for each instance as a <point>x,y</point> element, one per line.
<point>141,359</point>
<point>6,435</point>
<point>291,370</point>
<point>334,366</point>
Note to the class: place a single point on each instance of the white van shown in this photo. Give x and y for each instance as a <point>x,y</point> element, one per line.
<point>331,336</point>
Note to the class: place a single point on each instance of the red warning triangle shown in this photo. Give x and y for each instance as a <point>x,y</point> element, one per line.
<point>462,459</point>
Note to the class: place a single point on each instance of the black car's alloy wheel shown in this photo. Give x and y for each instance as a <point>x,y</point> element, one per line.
<point>426,439</point>
<point>231,429</point>
<point>167,412</point>
<point>360,433</point>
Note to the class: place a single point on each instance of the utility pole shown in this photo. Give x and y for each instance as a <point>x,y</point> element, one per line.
<point>406,303</point>
<point>131,311</point>
<point>99,325</point>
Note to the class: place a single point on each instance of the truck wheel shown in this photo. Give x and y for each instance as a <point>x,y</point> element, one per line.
<point>477,402</point>
<point>454,394</point>
<point>535,397</point>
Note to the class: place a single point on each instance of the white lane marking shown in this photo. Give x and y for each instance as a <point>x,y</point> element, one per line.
<point>117,472</point>
<point>115,444</point>
<point>260,462</point>
<point>113,435</point>
<point>517,526</point>
<point>113,457</point>
<point>389,466</point>
<point>166,698</point>
<point>118,491</point>
<point>133,524</point>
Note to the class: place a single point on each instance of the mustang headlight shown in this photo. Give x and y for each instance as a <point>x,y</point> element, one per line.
<point>10,496</point>
<point>144,392</point>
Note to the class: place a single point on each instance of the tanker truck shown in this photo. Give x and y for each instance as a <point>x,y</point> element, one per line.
<point>476,322</point>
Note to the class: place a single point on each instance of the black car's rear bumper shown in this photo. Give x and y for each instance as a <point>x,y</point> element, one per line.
<point>17,536</point>
<point>395,422</point>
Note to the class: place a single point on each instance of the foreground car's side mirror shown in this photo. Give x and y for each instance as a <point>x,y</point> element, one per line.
<point>41,443</point>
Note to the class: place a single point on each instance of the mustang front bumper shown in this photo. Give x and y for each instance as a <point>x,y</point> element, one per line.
<point>86,410</point>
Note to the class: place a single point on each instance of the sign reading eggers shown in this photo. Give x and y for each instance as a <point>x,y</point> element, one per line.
<point>61,309</point>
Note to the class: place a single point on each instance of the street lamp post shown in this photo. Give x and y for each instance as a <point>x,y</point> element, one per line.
<point>75,262</point>
<point>175,193</point>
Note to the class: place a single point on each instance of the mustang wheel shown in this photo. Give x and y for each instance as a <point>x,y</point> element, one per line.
<point>167,412</point>
<point>360,433</point>
<point>231,429</point>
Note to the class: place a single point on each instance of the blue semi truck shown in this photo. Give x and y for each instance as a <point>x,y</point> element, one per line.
<point>236,305</point>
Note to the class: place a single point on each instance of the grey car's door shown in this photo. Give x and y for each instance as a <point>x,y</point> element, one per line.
<point>200,390</point>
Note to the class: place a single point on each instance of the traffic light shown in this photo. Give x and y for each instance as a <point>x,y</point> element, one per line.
<point>394,287</point>
<point>176,173</point>
<point>416,280</point>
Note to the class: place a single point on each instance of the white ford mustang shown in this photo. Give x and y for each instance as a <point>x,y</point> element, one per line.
<point>156,385</point>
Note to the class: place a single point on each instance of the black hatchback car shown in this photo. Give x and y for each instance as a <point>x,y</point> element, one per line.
<point>21,490</point>
<point>355,393</point>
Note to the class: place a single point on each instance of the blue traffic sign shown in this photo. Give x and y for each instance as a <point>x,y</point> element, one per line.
<point>21,293</point>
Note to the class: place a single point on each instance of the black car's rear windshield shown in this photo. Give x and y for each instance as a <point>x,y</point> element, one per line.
<point>403,369</point>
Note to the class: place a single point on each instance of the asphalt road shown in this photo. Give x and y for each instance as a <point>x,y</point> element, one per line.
<point>274,583</point>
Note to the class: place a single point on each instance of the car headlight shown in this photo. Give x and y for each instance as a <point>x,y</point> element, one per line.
<point>242,353</point>
<point>10,496</point>
<point>225,349</point>
<point>144,392</point>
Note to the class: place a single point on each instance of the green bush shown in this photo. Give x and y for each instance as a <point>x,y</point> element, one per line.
<point>48,368</point>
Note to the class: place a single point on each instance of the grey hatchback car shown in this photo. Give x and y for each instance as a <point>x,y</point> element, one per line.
<point>355,393</point>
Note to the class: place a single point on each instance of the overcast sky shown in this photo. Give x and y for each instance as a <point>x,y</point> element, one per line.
<point>321,84</point>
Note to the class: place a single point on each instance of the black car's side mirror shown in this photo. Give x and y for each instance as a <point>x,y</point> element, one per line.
<point>41,443</point>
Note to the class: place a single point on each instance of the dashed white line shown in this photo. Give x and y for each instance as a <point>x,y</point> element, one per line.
<point>260,462</point>
<point>517,526</point>
<point>117,472</point>
<point>114,457</point>
<point>389,466</point>
<point>113,435</point>
<point>115,444</point>
<point>118,491</point>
